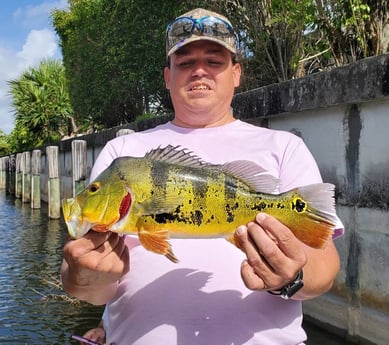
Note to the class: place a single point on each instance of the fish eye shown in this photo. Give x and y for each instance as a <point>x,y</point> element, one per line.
<point>94,187</point>
<point>300,205</point>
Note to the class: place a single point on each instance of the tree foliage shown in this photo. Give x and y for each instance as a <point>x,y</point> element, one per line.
<point>4,144</point>
<point>113,51</point>
<point>271,34</point>
<point>353,29</point>
<point>41,105</point>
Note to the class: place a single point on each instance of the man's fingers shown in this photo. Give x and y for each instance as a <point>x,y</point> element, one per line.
<point>273,254</point>
<point>256,272</point>
<point>79,247</point>
<point>279,233</point>
<point>250,278</point>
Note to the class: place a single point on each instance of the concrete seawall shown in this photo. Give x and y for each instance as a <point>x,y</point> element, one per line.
<point>343,116</point>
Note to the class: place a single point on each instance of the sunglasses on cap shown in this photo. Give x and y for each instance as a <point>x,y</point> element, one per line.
<point>216,28</point>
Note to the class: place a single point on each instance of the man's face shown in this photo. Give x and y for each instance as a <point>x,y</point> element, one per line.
<point>201,80</point>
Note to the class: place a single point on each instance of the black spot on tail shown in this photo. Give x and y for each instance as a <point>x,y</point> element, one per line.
<point>299,205</point>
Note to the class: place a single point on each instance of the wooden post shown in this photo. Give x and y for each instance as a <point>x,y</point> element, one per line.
<point>11,173</point>
<point>26,176</point>
<point>36,179</point>
<point>2,177</point>
<point>53,182</point>
<point>3,172</point>
<point>18,176</point>
<point>79,164</point>
<point>7,176</point>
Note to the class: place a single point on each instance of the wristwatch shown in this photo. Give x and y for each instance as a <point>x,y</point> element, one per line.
<point>289,290</point>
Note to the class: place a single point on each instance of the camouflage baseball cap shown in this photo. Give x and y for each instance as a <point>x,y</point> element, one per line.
<point>200,24</point>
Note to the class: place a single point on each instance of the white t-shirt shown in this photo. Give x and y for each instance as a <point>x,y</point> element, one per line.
<point>202,300</point>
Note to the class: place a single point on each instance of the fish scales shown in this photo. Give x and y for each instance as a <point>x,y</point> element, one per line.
<point>171,193</point>
<point>198,188</point>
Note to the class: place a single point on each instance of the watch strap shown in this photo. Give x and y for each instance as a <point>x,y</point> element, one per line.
<point>289,290</point>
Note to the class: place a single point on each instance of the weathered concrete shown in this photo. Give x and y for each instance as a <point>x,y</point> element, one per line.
<point>362,81</point>
<point>342,115</point>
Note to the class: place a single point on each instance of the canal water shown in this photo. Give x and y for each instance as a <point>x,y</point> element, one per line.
<point>33,308</point>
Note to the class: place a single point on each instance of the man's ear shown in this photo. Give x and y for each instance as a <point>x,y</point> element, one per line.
<point>237,72</point>
<point>166,76</point>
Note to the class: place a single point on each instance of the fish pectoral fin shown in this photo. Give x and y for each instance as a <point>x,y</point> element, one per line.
<point>159,204</point>
<point>157,242</point>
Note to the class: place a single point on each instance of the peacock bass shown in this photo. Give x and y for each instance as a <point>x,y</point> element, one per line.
<point>172,193</point>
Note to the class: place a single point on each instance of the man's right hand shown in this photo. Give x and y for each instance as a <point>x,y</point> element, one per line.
<point>92,266</point>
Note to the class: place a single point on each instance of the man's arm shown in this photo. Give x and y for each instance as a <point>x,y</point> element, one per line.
<point>93,265</point>
<point>275,256</point>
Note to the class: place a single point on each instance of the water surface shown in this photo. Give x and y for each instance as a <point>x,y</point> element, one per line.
<point>33,308</point>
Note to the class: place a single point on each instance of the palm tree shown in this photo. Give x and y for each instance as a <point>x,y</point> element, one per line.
<point>41,105</point>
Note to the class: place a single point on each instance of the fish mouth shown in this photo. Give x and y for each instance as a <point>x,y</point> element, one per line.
<point>76,225</point>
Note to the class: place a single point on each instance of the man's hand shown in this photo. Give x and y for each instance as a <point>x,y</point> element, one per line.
<point>93,264</point>
<point>274,254</point>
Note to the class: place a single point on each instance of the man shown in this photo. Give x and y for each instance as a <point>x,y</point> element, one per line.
<point>215,294</point>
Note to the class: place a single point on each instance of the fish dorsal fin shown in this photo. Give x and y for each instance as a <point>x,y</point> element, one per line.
<point>249,172</point>
<point>175,155</point>
<point>252,174</point>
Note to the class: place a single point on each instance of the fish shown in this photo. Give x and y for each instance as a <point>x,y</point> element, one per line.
<point>172,193</point>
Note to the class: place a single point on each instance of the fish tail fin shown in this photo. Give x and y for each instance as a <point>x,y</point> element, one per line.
<point>319,221</point>
<point>315,235</point>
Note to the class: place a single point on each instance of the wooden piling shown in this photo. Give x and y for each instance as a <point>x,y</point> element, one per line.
<point>79,162</point>
<point>26,176</point>
<point>54,206</point>
<point>18,176</point>
<point>36,179</point>
<point>3,172</point>
<point>11,174</point>
<point>7,176</point>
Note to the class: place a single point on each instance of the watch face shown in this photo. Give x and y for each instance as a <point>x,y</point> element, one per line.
<point>289,290</point>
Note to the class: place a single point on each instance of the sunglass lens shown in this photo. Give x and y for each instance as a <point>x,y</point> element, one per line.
<point>216,27</point>
<point>181,28</point>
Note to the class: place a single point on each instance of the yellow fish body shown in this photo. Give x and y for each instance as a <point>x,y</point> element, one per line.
<point>171,193</point>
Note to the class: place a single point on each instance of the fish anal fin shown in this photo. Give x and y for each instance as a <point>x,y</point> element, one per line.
<point>170,255</point>
<point>157,242</point>
<point>234,240</point>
